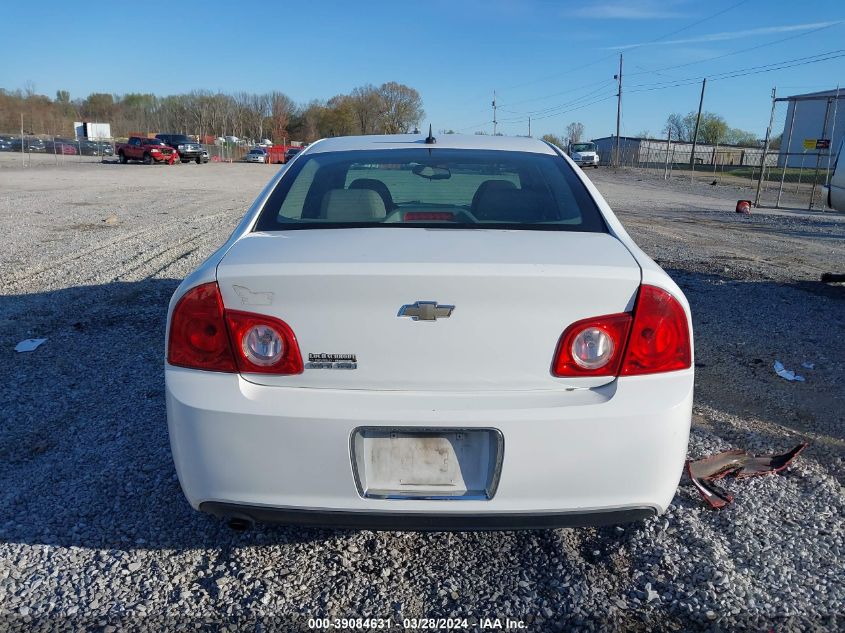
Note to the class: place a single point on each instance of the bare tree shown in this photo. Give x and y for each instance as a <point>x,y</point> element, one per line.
<point>574,132</point>
<point>368,107</point>
<point>554,140</point>
<point>281,111</point>
<point>402,107</point>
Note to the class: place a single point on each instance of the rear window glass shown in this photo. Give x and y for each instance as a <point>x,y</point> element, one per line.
<point>442,188</point>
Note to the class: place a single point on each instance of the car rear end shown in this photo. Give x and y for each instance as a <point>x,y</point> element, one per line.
<point>385,345</point>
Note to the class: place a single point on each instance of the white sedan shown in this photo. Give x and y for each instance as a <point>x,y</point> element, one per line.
<point>409,333</point>
<point>256,155</point>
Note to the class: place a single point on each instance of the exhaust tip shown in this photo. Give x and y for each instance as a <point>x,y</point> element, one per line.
<point>239,523</point>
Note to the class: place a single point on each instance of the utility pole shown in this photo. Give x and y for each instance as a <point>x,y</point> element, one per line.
<point>494,113</point>
<point>23,156</point>
<point>766,150</point>
<point>618,108</point>
<point>697,121</point>
<point>668,147</point>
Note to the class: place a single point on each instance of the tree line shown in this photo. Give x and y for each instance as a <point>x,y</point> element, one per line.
<point>712,129</point>
<point>391,108</point>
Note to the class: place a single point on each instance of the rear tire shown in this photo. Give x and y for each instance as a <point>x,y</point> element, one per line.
<point>122,158</point>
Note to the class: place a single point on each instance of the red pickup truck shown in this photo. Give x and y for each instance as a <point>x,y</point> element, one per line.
<point>148,150</point>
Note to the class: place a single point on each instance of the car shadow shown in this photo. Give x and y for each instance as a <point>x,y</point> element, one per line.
<point>84,452</point>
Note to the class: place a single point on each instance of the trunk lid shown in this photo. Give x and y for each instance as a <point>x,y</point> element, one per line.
<point>513,292</point>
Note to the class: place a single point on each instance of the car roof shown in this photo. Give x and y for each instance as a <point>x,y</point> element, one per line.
<point>443,141</point>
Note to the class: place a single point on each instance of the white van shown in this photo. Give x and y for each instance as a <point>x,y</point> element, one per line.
<point>836,187</point>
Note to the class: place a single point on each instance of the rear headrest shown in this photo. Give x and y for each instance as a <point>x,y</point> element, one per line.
<point>515,205</point>
<point>376,185</point>
<point>359,205</point>
<point>490,185</point>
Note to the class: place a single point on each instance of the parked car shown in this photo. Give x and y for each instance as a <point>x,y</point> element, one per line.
<point>64,146</point>
<point>6,143</point>
<point>291,152</point>
<point>584,154</point>
<point>187,148</point>
<point>30,144</point>
<point>449,334</point>
<point>95,148</point>
<point>836,186</point>
<point>256,155</point>
<point>148,150</point>
<point>205,155</point>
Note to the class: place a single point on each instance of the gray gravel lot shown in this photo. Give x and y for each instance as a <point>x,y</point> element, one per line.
<point>95,533</point>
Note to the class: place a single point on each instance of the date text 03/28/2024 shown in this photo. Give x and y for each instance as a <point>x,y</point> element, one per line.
<point>414,624</point>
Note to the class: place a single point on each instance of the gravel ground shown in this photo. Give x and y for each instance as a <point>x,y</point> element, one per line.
<point>95,533</point>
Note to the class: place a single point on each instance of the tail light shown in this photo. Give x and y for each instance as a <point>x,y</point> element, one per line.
<point>655,338</point>
<point>262,344</point>
<point>660,339</point>
<point>592,347</point>
<point>203,335</point>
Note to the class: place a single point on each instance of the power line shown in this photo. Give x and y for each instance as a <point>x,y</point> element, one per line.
<point>742,72</point>
<point>592,93</point>
<point>557,94</point>
<point>613,55</point>
<point>737,52</point>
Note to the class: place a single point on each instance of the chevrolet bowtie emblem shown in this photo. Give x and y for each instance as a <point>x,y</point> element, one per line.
<point>426,311</point>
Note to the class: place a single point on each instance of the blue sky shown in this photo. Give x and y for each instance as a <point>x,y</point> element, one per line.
<point>553,60</point>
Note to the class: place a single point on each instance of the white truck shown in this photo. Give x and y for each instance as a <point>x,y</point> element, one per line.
<point>584,154</point>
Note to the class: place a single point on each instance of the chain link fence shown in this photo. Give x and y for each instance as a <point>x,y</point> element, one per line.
<point>30,150</point>
<point>804,138</point>
<point>789,169</point>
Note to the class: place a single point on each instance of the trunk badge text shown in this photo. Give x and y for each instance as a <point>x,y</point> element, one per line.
<point>426,311</point>
<point>332,361</point>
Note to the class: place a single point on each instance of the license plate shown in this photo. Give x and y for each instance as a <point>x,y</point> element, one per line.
<point>427,464</point>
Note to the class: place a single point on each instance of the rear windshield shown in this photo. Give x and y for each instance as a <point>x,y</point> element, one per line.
<point>442,188</point>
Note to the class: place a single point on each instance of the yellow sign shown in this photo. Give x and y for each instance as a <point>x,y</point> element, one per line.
<point>809,143</point>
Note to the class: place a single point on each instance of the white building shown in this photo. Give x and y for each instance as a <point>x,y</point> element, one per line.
<point>805,120</point>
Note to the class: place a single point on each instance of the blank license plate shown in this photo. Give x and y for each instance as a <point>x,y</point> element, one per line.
<point>414,464</point>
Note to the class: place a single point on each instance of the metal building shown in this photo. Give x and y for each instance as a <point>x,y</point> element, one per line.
<point>636,152</point>
<point>811,116</point>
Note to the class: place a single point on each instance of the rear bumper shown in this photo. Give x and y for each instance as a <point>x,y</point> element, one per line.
<point>584,457</point>
<point>424,522</point>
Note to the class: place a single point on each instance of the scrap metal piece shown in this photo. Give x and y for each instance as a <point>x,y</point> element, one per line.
<point>740,464</point>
